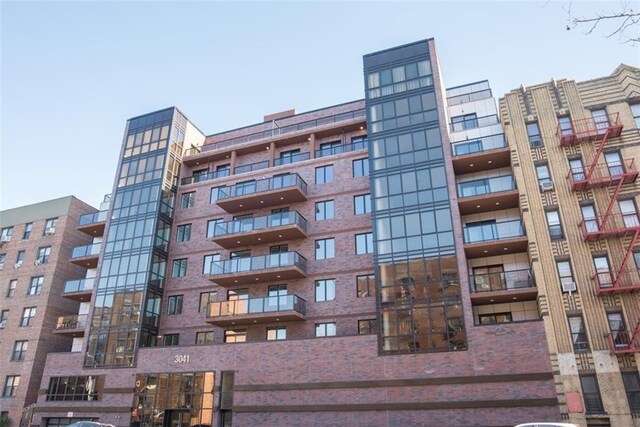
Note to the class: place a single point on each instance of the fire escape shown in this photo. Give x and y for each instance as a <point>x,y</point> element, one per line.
<point>598,130</point>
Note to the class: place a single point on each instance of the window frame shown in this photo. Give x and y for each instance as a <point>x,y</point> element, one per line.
<point>187,199</point>
<point>20,348</point>
<point>11,384</point>
<point>273,333</point>
<point>365,239</point>
<point>534,138</point>
<point>179,268</point>
<point>324,174</point>
<point>365,203</point>
<point>35,288</point>
<point>183,233</point>
<point>360,167</point>
<point>174,304</point>
<point>27,320</point>
<point>325,290</point>
<point>554,235</point>
<point>578,346</point>
<point>209,337</point>
<point>327,329</point>
<point>326,248</point>
<point>324,208</point>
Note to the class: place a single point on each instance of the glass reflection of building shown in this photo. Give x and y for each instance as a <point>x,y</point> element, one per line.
<point>416,267</point>
<point>134,258</point>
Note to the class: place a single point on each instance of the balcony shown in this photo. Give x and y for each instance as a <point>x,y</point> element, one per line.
<point>494,238</point>
<point>93,223</point>
<point>71,325</point>
<point>79,290</point>
<point>339,149</point>
<point>490,194</point>
<point>263,193</point>
<point>200,177</point>
<point>257,310</point>
<point>623,342</point>
<point>614,226</point>
<point>490,152</point>
<point>625,281</point>
<point>86,256</point>
<point>251,167</point>
<point>294,158</point>
<point>508,286</point>
<point>272,228</point>
<point>259,269</point>
<point>604,175</point>
<point>589,130</point>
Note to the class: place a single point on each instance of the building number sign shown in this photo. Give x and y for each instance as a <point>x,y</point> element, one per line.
<point>181,358</point>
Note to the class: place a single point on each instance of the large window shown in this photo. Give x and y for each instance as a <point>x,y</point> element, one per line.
<point>364,243</point>
<point>360,167</point>
<point>170,340</point>
<point>325,248</point>
<point>215,193</point>
<point>208,266</point>
<point>183,233</point>
<point>533,133</point>
<point>276,333</point>
<point>578,334</point>
<point>619,334</point>
<point>555,226</point>
<point>235,335</point>
<point>203,338</point>
<point>211,226</point>
<point>11,385</point>
<point>466,121</point>
<point>325,210</point>
<point>179,268</point>
<point>43,255</point>
<point>325,290</point>
<point>591,394</point>
<point>205,299</point>
<point>631,382</point>
<point>28,315</point>
<point>187,200</point>
<point>564,272</point>
<point>174,304</point>
<point>11,290</point>
<point>366,285</point>
<point>326,329</point>
<point>19,350</point>
<point>362,204</point>
<point>35,286</point>
<point>324,174</point>
<point>367,327</point>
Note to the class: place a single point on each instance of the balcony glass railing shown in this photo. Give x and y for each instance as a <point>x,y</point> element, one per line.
<point>71,322</point>
<point>475,123</point>
<point>204,176</point>
<point>79,285</point>
<point>258,223</point>
<point>251,167</point>
<point>339,149</point>
<point>262,185</point>
<point>92,218</point>
<point>486,186</point>
<point>255,263</point>
<point>294,158</point>
<point>257,306</point>
<point>493,231</point>
<point>504,281</point>
<point>84,251</point>
<point>486,143</point>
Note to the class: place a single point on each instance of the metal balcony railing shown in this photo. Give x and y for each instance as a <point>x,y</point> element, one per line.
<point>339,149</point>
<point>603,175</point>
<point>66,323</point>
<point>591,128</point>
<point>251,167</point>
<point>257,306</point>
<point>259,223</point>
<point>615,225</point>
<point>480,145</point>
<point>294,158</point>
<point>256,263</point>
<point>504,281</point>
<point>200,177</point>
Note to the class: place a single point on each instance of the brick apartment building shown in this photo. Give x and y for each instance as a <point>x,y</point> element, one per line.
<point>386,261</point>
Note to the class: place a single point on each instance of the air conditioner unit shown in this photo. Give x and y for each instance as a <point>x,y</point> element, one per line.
<point>49,231</point>
<point>5,238</point>
<point>531,118</point>
<point>562,112</point>
<point>17,264</point>
<point>37,262</point>
<point>569,287</point>
<point>546,186</point>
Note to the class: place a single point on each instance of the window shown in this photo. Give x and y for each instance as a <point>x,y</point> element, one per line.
<point>367,327</point>
<point>533,132</point>
<point>326,248</point>
<point>325,210</point>
<point>287,157</point>
<point>566,128</point>
<point>629,213</point>
<point>495,318</point>
<point>183,233</point>
<point>467,121</point>
<point>589,218</point>
<point>591,394</point>
<point>325,290</point>
<point>50,226</point>
<point>362,204</point>
<point>74,389</point>
<point>366,286</point>
<point>4,315</point>
<point>27,230</point>
<point>11,290</point>
<point>247,187</point>
<point>577,170</point>
<point>564,272</point>
<point>187,200</point>
<point>223,170</point>
<point>235,335</point>
<point>35,287</point>
<point>324,174</point>
<point>174,304</point>
<point>11,385</point>
<point>43,255</point>
<point>179,268</point>
<point>171,340</point>
<point>209,265</point>
<point>19,259</point>
<point>603,272</point>
<point>618,330</point>
<point>205,299</point>
<point>600,119</point>
<point>329,148</point>
<point>19,350</point>
<point>614,163</point>
<point>203,338</point>
<point>7,232</point>
<point>277,333</point>
<point>27,316</point>
<point>360,167</point>
<point>2,258</point>
<point>631,382</point>
<point>211,227</point>
<point>635,112</point>
<point>326,329</point>
<point>578,333</point>
<point>554,224</point>
<point>364,243</point>
<point>215,192</point>
<point>543,173</point>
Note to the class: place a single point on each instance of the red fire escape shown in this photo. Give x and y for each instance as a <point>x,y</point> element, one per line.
<point>607,225</point>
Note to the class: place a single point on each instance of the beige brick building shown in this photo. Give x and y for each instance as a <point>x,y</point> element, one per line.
<point>575,148</point>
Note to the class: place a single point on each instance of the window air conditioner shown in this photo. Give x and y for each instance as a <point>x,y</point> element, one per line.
<point>49,231</point>
<point>531,118</point>
<point>37,262</point>
<point>569,287</point>
<point>17,264</point>
<point>546,186</point>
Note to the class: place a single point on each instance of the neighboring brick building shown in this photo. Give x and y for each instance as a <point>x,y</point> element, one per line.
<point>577,144</point>
<point>35,246</point>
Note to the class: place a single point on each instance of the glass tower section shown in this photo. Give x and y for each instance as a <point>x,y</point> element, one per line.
<point>419,304</point>
<point>134,259</point>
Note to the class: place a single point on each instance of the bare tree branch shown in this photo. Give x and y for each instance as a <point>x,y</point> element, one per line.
<point>622,23</point>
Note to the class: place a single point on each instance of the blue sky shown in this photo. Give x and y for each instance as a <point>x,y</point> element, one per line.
<point>73,72</point>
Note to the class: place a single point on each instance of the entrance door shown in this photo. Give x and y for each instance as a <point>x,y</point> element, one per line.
<point>176,418</point>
